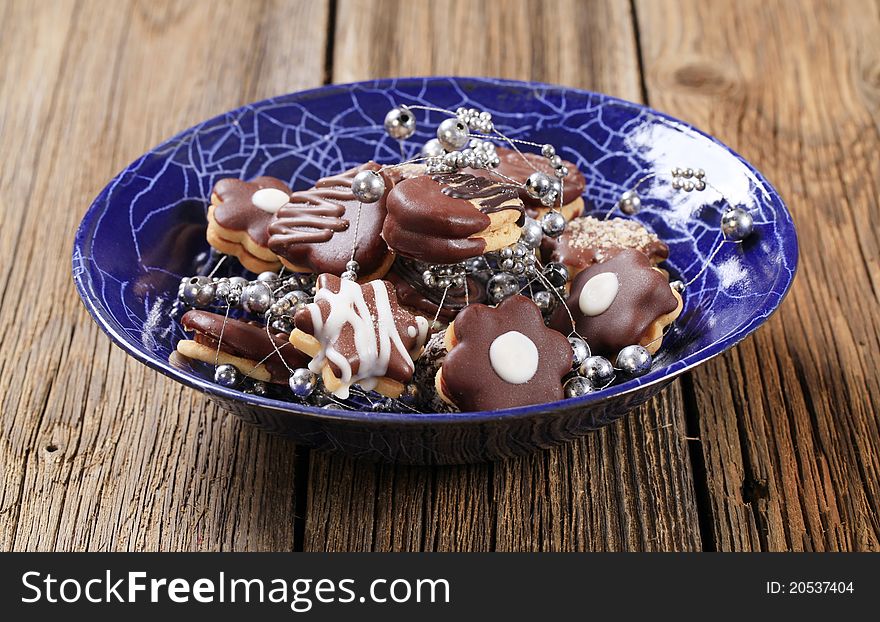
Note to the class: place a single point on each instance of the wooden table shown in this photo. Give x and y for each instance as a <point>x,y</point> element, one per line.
<point>774,446</point>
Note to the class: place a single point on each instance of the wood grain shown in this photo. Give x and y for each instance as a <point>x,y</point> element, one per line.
<point>789,420</point>
<point>628,487</point>
<point>98,452</point>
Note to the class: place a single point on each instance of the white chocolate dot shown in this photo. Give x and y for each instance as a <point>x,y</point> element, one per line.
<point>412,331</point>
<point>270,199</point>
<point>514,357</point>
<point>598,293</point>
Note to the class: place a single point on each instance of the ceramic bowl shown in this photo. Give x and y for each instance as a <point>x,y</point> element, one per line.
<point>146,229</point>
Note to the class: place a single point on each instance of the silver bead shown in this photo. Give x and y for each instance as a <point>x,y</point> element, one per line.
<point>532,233</point>
<point>238,281</point>
<point>699,173</point>
<point>368,186</point>
<point>506,264</point>
<point>576,386</point>
<point>222,289</point>
<point>537,185</point>
<point>226,375</point>
<point>634,361</point>
<point>580,351</point>
<point>502,286</point>
<point>400,123</point>
<point>676,171</point>
<point>257,297</point>
<point>205,296</point>
<point>451,160</point>
<point>189,290</point>
<point>267,277</point>
<point>687,186</point>
<point>556,273</point>
<point>302,382</point>
<point>676,184</point>
<point>432,148</point>
<point>465,159</point>
<point>737,224</point>
<point>353,266</point>
<point>549,199</point>
<point>553,224</point>
<point>348,275</point>
<point>260,388</point>
<point>561,172</point>
<point>677,286</point>
<point>555,161</point>
<point>598,370</point>
<point>282,325</point>
<point>630,202</point>
<point>688,172</point>
<point>548,151</point>
<point>545,301</point>
<point>699,185</point>
<point>453,134</point>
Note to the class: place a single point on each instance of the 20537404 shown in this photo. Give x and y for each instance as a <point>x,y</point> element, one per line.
<point>809,587</point>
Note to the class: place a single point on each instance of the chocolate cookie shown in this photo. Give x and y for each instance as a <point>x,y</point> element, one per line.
<point>519,167</point>
<point>359,334</point>
<point>406,276</point>
<point>246,346</point>
<point>238,218</point>
<point>587,240</point>
<point>447,218</point>
<point>503,357</point>
<point>317,230</point>
<point>620,302</point>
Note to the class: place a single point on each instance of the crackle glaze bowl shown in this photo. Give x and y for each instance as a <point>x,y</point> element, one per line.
<point>146,229</point>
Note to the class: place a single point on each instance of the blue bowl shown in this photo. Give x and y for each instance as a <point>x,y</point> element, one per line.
<point>146,229</point>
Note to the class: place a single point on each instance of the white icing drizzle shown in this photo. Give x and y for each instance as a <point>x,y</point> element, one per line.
<point>514,357</point>
<point>270,199</point>
<point>598,293</point>
<point>375,338</point>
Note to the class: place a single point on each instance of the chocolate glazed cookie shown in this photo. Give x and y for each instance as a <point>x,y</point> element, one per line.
<point>317,230</point>
<point>450,217</point>
<point>620,302</point>
<point>412,293</point>
<point>246,346</point>
<point>503,357</point>
<point>519,167</point>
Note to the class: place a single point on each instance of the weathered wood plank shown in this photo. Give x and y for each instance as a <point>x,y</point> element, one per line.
<point>98,451</point>
<point>627,487</point>
<point>789,420</point>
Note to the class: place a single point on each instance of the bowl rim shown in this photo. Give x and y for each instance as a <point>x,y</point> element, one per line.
<point>83,239</point>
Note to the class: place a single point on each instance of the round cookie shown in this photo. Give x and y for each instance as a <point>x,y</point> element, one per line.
<point>248,347</point>
<point>239,216</point>
<point>519,167</point>
<point>620,302</point>
<point>406,277</point>
<point>588,240</point>
<point>359,334</point>
<point>447,218</point>
<point>317,230</point>
<point>503,357</point>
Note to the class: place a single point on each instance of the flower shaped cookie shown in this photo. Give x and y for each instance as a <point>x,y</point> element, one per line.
<point>503,357</point>
<point>620,302</point>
